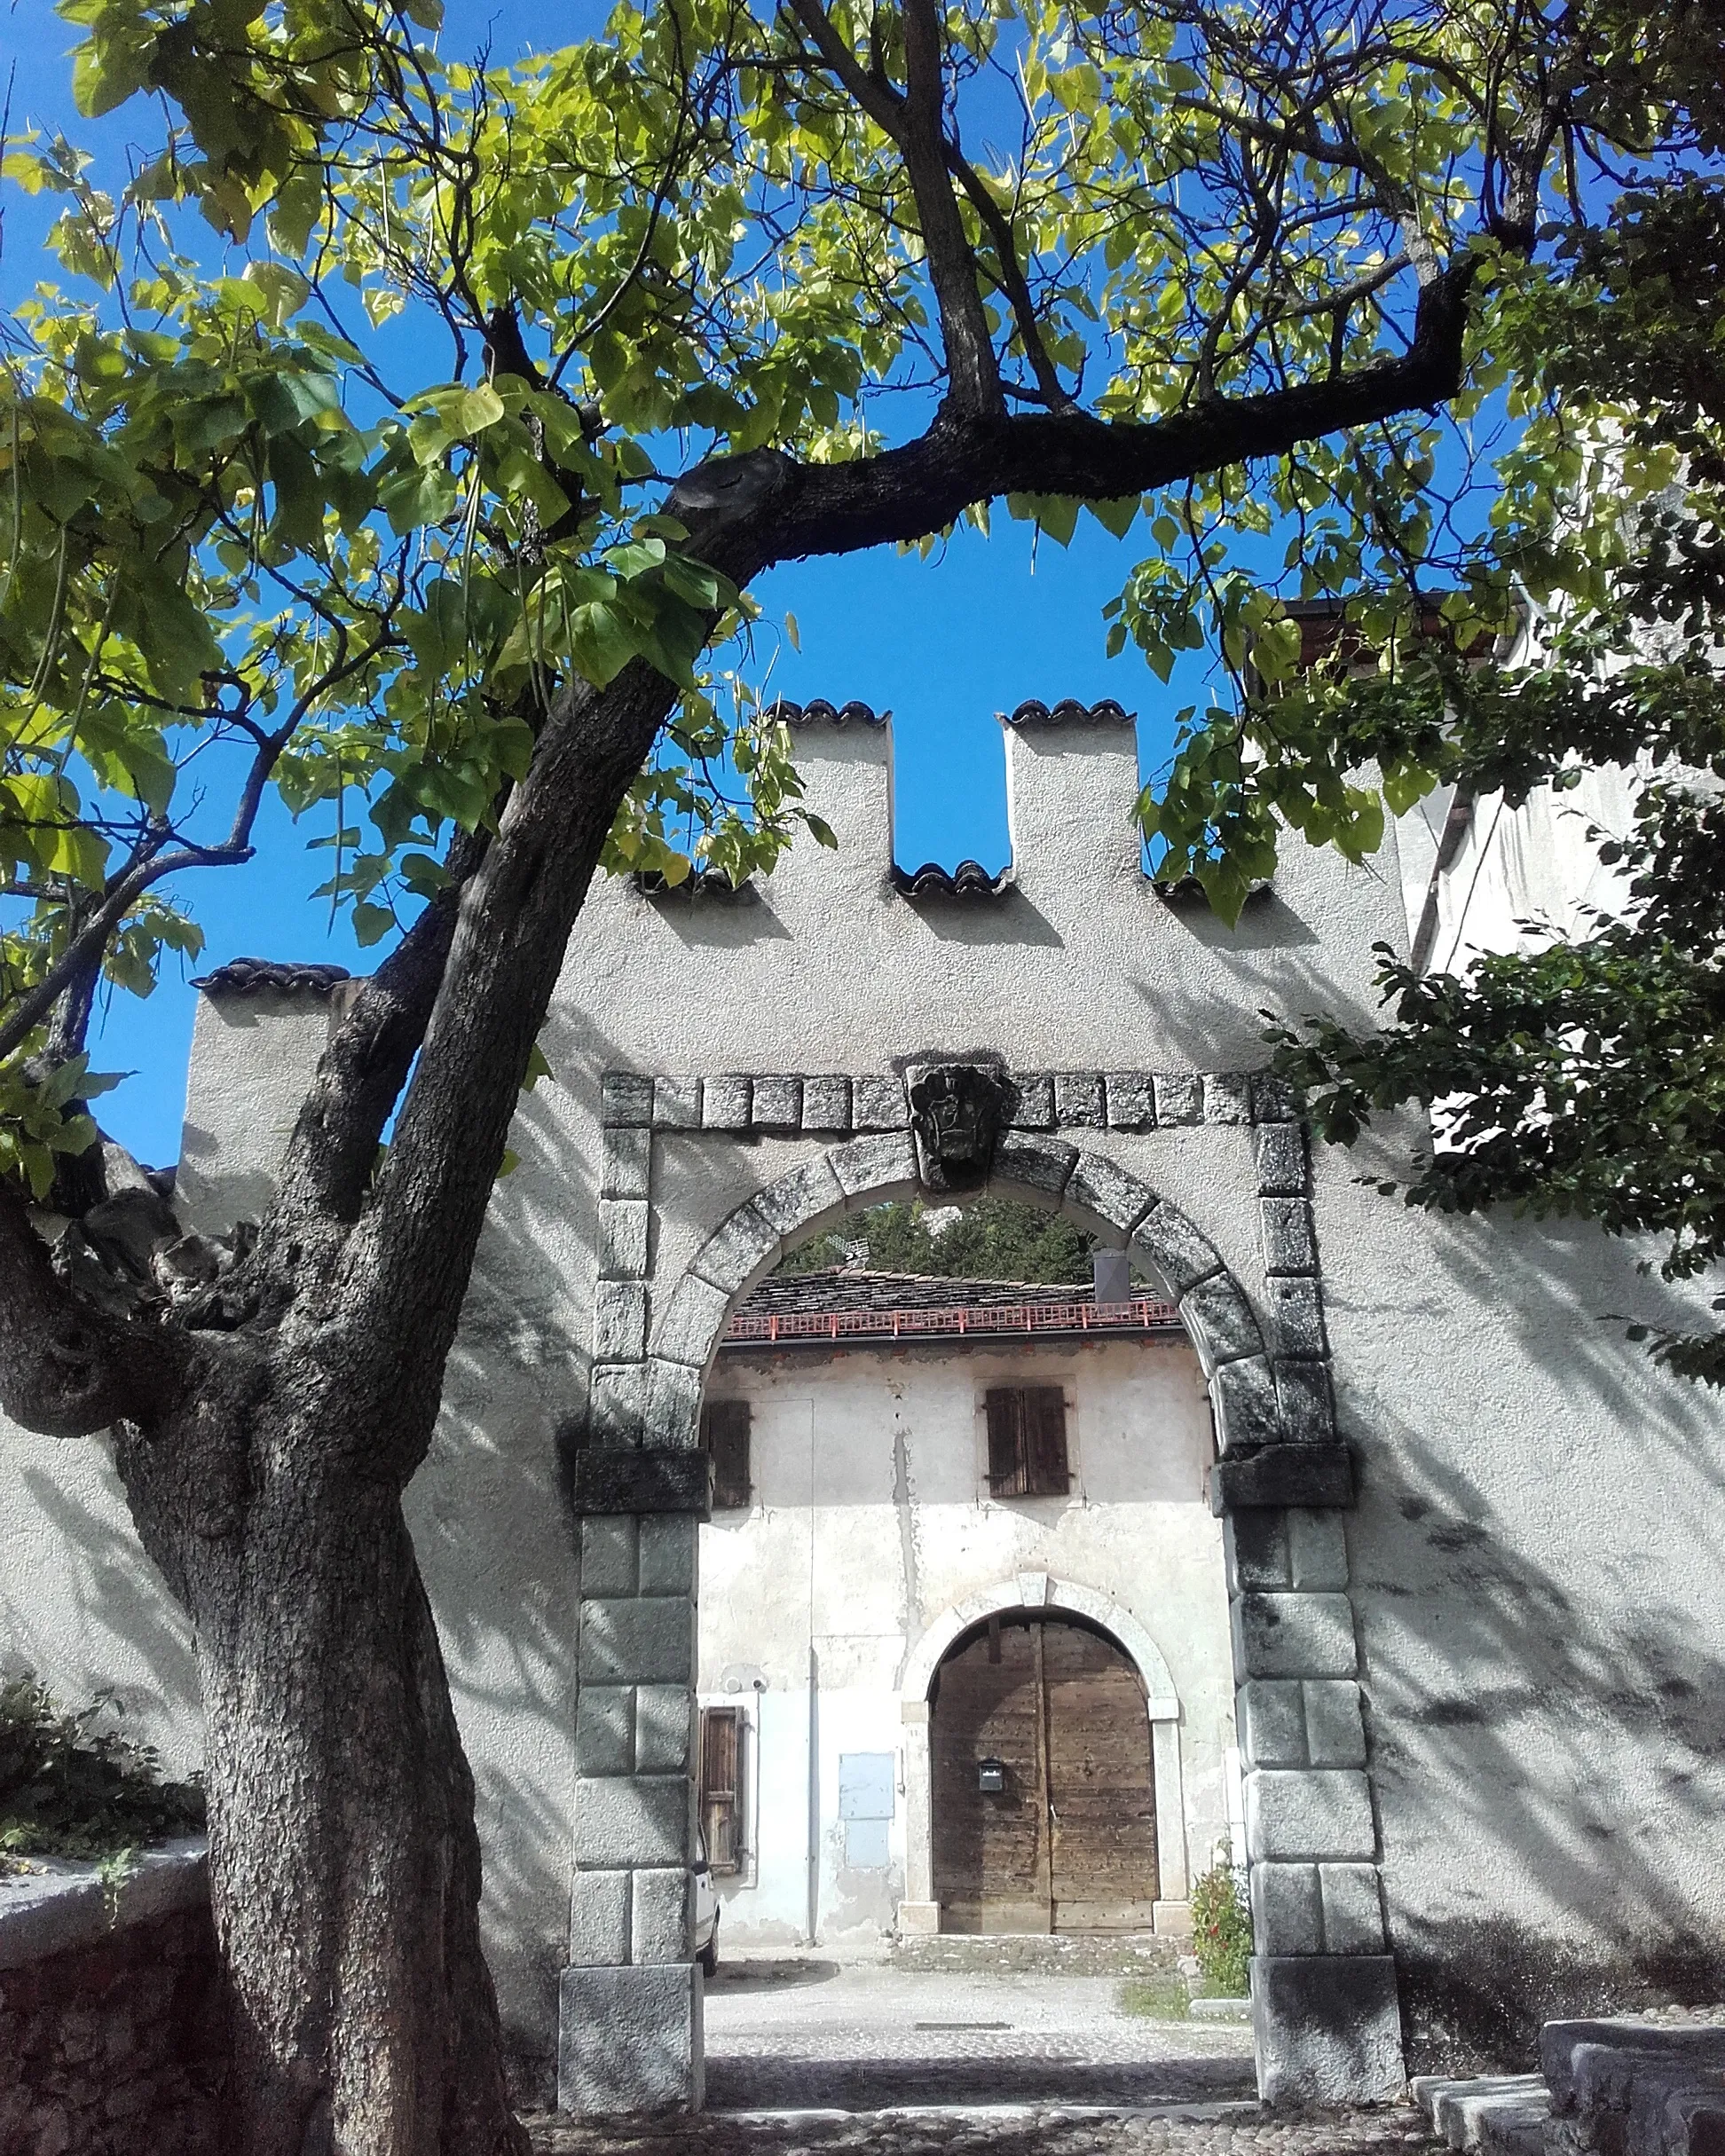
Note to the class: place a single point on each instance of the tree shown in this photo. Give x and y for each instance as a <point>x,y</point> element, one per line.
<point>998,1239</point>
<point>1581,1074</point>
<point>722,288</point>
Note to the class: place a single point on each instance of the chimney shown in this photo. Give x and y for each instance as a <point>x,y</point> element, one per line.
<point>1111,1274</point>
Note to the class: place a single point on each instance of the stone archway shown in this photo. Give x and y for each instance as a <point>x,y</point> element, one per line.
<point>919,1912</point>
<point>1326,2016</point>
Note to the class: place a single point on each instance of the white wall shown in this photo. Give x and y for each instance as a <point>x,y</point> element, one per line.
<point>872,1517</point>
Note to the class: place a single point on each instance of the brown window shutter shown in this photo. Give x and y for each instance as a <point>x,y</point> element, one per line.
<point>1007,1453</point>
<point>1046,1473</point>
<point>725,1436</point>
<point>721,1751</point>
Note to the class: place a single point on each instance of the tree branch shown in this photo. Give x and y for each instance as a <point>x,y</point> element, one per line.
<point>67,1369</point>
<point>914,121</point>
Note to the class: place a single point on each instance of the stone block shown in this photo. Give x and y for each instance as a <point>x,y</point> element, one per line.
<point>1273,1099</point>
<point>1243,1398</point>
<point>1335,1732</point>
<point>1294,1813</point>
<point>1272,1722</point>
<point>660,1914</point>
<point>1098,1186</point>
<point>672,1416</point>
<point>1296,1317</point>
<point>664,1717</point>
<point>1227,1097</point>
<point>629,2040</point>
<point>1280,1475</point>
<point>1354,1908</point>
<point>1288,1915</point>
<point>637,1639</point>
<point>626,1163</point>
<point>624,1820</point>
<point>626,1100</point>
<point>878,1103</point>
<point>676,1103</point>
<point>1220,1321</point>
<point>725,1102</point>
<point>604,1736</point>
<point>1034,1105</point>
<point>693,1320</point>
<point>918,1919</point>
<point>826,1103</point>
<point>1254,1550</point>
<point>1316,1553</point>
<point>623,1239</point>
<point>620,1321</point>
<point>611,1545</point>
<point>657,1478</point>
<point>738,1248</point>
<point>1290,1242</point>
<point>871,1168</point>
<point>599,1919</point>
<point>1180,1097</point>
<point>1078,1102</point>
<point>667,1553</point>
<point>1176,1250</point>
<point>797,1203</point>
<point>1041,1164</point>
<point>1294,1635</point>
<point>1595,2066</point>
<point>1307,1402</point>
<point>617,1401</point>
<point>1132,1100</point>
<point>1284,1165</point>
<point>776,1103</point>
<point>1326,2028</point>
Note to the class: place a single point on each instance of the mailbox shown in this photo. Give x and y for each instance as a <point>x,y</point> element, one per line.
<point>991,1777</point>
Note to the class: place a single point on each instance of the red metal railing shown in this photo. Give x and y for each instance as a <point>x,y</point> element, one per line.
<point>1142,1315</point>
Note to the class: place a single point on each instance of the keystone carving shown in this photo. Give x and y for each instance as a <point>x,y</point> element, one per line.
<point>957,1113</point>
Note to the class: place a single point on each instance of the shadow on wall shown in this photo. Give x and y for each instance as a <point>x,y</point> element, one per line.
<point>1545,1659</point>
<point>99,1616</point>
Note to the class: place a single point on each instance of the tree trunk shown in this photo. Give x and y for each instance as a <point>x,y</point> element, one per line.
<point>344,1862</point>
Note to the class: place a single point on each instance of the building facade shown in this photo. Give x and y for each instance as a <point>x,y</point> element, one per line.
<point>957,1523</point>
<point>1468,1532</point>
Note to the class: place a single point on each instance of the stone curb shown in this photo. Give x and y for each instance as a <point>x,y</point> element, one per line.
<point>62,1905</point>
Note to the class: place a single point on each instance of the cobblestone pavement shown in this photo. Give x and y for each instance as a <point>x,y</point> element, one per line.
<point>1238,2130</point>
<point>863,2035</point>
<point>806,2054</point>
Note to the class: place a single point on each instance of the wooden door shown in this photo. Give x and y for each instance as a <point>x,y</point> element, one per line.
<point>1101,1791</point>
<point>990,1852</point>
<point>1070,1843</point>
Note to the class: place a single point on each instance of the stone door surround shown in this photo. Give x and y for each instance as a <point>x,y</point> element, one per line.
<point>1326,2016</point>
<point>919,1912</point>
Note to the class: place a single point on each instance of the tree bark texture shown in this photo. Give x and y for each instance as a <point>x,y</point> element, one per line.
<point>344,1862</point>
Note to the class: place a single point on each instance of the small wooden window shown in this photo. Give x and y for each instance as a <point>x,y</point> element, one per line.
<point>1028,1441</point>
<point>725,1437</point>
<point>722,1806</point>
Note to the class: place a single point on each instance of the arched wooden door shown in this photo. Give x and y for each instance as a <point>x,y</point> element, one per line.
<point>1068,1842</point>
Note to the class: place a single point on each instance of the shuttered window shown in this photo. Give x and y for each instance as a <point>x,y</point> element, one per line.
<point>725,1436</point>
<point>1028,1441</point>
<point>721,1761</point>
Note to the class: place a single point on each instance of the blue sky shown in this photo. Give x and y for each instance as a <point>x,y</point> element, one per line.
<point>946,643</point>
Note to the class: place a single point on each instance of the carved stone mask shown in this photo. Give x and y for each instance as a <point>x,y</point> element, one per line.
<point>957,1110</point>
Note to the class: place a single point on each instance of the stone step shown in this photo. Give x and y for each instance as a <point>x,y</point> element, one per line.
<point>1038,1954</point>
<point>1627,2088</point>
<point>1201,2009</point>
<point>1501,2115</point>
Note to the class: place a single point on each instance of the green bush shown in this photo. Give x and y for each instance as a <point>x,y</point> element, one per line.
<point>1222,1933</point>
<point>69,1788</point>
